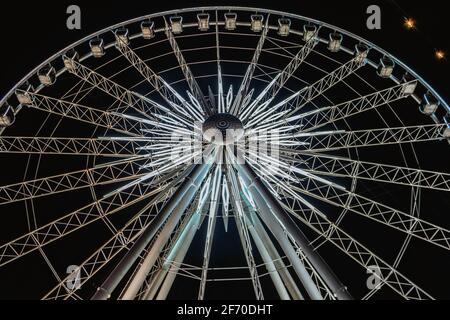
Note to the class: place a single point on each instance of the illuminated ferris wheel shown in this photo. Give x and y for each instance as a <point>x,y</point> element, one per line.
<point>223,152</point>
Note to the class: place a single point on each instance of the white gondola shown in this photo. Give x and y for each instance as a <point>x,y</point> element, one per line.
<point>284,26</point>
<point>309,32</point>
<point>122,37</point>
<point>7,115</point>
<point>334,45</point>
<point>47,75</point>
<point>429,104</point>
<point>230,21</point>
<point>23,93</point>
<point>203,21</point>
<point>257,22</point>
<point>148,29</point>
<point>97,47</point>
<point>447,129</point>
<point>176,23</point>
<point>70,58</point>
<point>361,52</point>
<point>385,67</point>
<point>411,84</point>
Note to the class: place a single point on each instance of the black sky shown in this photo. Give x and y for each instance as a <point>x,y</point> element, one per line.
<point>36,29</point>
<point>33,31</point>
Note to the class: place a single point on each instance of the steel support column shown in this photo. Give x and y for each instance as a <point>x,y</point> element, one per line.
<point>187,189</point>
<point>269,263</point>
<point>178,255</point>
<point>277,219</point>
<point>156,248</point>
<point>289,282</point>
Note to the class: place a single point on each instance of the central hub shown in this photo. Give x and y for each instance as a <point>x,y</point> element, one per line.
<point>222,129</point>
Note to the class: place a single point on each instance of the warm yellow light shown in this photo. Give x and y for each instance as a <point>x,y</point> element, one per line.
<point>409,23</point>
<point>440,54</point>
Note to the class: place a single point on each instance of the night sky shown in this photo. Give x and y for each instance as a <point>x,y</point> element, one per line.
<point>37,32</point>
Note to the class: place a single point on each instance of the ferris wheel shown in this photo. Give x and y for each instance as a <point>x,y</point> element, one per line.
<point>223,152</point>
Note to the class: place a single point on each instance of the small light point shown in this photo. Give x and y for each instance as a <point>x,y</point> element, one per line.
<point>440,54</point>
<point>409,23</point>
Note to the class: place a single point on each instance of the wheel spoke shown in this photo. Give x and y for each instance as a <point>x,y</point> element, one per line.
<point>245,84</point>
<point>74,221</point>
<point>374,137</point>
<point>375,211</point>
<point>324,84</point>
<point>344,167</point>
<point>105,119</point>
<point>321,117</point>
<point>68,146</point>
<point>129,98</point>
<point>189,76</point>
<point>109,173</point>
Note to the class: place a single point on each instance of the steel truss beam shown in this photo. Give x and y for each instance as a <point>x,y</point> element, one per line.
<point>321,86</point>
<point>260,106</point>
<point>375,211</point>
<point>69,146</point>
<point>163,88</point>
<point>130,99</point>
<point>321,117</point>
<point>245,84</point>
<point>189,76</point>
<point>343,167</point>
<point>110,249</point>
<point>105,119</point>
<point>73,221</point>
<point>104,174</point>
<point>293,65</point>
<point>373,137</point>
<point>363,256</point>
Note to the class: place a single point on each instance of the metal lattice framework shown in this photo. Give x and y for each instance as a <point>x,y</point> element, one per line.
<point>326,141</point>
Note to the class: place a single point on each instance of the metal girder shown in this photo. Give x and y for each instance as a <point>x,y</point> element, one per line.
<point>373,137</point>
<point>343,167</point>
<point>321,86</point>
<point>110,249</point>
<point>245,84</point>
<point>164,89</point>
<point>72,222</point>
<point>363,256</point>
<point>130,99</point>
<point>105,119</point>
<point>321,117</point>
<point>293,65</point>
<point>375,211</point>
<point>189,76</point>
<point>104,174</point>
<point>69,146</point>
